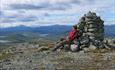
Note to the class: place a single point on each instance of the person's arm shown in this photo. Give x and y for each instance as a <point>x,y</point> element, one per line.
<point>73,35</point>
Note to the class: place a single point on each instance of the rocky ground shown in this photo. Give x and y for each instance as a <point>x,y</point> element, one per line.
<point>35,57</point>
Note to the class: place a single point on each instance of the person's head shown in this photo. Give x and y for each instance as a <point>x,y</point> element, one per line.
<point>75,27</point>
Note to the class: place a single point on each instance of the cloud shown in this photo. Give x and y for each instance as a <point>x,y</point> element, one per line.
<point>27,19</point>
<point>28,6</point>
<point>6,21</point>
<point>11,19</point>
<point>49,12</point>
<point>1,13</point>
<point>44,6</point>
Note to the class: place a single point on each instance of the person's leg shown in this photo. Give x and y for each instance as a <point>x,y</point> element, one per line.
<point>58,45</point>
<point>77,42</point>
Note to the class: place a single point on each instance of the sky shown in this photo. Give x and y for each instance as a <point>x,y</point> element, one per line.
<point>35,13</point>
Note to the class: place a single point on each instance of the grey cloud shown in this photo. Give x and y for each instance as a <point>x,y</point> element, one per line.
<point>4,16</point>
<point>1,13</point>
<point>75,2</point>
<point>14,17</point>
<point>11,19</point>
<point>28,6</point>
<point>7,21</point>
<point>59,6</point>
<point>44,6</point>
<point>78,2</point>
<point>18,16</point>
<point>50,6</point>
<point>27,19</point>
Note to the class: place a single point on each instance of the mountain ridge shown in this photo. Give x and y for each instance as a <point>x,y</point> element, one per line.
<point>54,29</point>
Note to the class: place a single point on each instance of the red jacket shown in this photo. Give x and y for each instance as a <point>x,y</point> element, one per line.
<point>73,34</point>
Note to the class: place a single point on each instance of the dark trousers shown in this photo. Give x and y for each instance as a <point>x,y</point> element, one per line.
<point>61,44</point>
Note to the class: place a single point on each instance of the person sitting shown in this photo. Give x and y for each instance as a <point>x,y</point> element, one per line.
<point>73,35</point>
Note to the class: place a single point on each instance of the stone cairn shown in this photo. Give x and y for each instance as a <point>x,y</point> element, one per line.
<point>92,29</point>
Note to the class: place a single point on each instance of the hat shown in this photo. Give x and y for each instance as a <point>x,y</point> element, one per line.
<point>75,26</point>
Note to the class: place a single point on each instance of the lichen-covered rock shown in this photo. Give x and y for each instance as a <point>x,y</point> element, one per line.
<point>92,47</point>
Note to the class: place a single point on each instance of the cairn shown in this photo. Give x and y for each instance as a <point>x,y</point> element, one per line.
<point>92,31</point>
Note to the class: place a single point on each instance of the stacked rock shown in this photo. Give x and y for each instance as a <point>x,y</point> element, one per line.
<point>93,28</point>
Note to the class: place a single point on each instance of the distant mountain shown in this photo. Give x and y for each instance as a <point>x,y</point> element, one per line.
<point>23,33</point>
<point>55,29</point>
<point>110,30</point>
